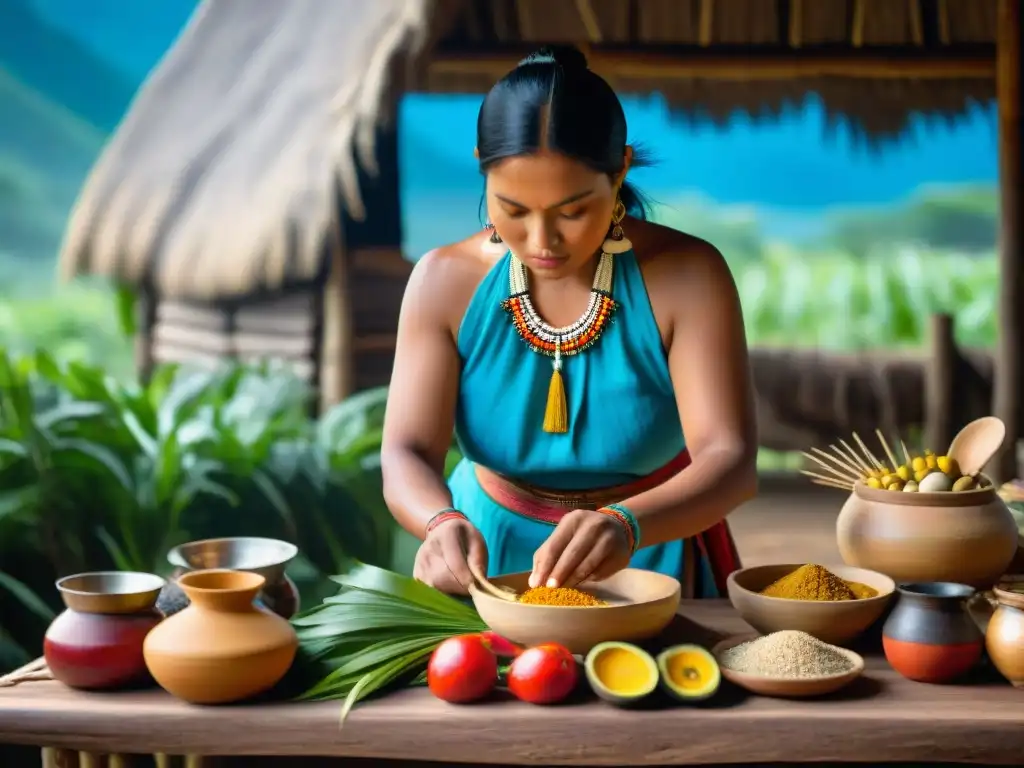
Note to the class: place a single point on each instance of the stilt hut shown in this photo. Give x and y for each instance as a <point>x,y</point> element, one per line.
<point>252,191</point>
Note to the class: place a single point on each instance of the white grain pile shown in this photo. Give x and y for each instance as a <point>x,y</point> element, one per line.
<point>787,654</point>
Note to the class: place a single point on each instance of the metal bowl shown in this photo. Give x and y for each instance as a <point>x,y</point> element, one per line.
<point>267,557</point>
<point>110,591</point>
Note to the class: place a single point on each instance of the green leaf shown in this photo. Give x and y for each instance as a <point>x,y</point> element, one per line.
<point>126,301</point>
<point>19,500</point>
<point>26,597</point>
<point>73,410</point>
<point>374,681</point>
<point>12,448</point>
<point>99,454</point>
<point>373,579</point>
<point>117,554</point>
<point>277,500</point>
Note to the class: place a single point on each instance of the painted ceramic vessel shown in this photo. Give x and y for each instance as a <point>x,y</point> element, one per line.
<point>1004,639</point>
<point>930,636</point>
<point>267,557</point>
<point>966,538</point>
<point>97,642</point>
<point>223,647</point>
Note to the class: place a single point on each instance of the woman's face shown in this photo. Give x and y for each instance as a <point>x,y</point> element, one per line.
<point>551,211</point>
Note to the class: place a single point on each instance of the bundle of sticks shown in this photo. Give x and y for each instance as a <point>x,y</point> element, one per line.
<point>844,467</point>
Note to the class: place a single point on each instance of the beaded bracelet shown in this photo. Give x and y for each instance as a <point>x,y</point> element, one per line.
<point>448,513</point>
<point>628,522</point>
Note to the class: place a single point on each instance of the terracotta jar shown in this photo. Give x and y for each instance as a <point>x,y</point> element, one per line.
<point>967,537</point>
<point>1004,639</point>
<point>930,636</point>
<point>267,557</point>
<point>223,647</point>
<point>97,642</point>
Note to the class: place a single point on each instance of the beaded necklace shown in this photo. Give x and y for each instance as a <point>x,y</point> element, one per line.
<point>558,343</point>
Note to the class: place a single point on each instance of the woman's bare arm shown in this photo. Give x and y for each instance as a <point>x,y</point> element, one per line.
<point>420,417</point>
<point>710,370</point>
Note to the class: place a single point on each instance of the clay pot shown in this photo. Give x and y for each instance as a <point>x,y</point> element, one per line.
<point>966,538</point>
<point>223,647</point>
<point>1004,639</point>
<point>97,642</point>
<point>267,557</point>
<point>930,636</point>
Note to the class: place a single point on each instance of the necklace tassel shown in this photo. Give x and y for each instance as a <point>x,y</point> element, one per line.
<point>556,412</point>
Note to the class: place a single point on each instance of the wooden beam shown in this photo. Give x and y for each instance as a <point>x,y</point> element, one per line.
<point>706,22</point>
<point>1009,371</point>
<point>589,20</point>
<point>857,24</point>
<point>796,23</point>
<point>746,66</point>
<point>942,9</point>
<point>916,22</point>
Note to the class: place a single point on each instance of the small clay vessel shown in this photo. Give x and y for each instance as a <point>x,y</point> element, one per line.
<point>223,647</point>
<point>96,643</point>
<point>1004,639</point>
<point>930,637</point>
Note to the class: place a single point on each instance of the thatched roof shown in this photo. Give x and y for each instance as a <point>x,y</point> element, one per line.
<point>227,174</point>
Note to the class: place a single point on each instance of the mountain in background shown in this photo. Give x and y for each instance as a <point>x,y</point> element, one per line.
<point>45,152</point>
<point>129,35</point>
<point>60,68</point>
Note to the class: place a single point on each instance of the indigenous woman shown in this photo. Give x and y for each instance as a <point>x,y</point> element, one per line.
<point>592,365</point>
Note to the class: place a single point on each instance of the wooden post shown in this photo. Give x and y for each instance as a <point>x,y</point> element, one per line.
<point>337,334</point>
<point>380,232</point>
<point>940,384</point>
<point>1008,378</point>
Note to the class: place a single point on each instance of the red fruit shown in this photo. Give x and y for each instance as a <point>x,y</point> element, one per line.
<point>462,669</point>
<point>544,674</point>
<point>502,647</point>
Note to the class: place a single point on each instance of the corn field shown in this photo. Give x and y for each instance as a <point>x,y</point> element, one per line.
<point>834,301</point>
<point>790,298</point>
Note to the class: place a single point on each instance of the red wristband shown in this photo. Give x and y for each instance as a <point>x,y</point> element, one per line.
<point>442,516</point>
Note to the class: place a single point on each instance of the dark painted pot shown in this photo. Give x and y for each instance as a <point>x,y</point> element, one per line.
<point>97,651</point>
<point>930,637</point>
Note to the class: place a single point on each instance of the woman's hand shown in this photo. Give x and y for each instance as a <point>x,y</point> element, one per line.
<point>443,559</point>
<point>585,546</point>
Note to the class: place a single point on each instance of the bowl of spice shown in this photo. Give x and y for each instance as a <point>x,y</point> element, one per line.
<point>630,606</point>
<point>789,664</point>
<point>834,604</point>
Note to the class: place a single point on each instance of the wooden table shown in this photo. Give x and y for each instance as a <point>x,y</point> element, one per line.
<point>880,718</point>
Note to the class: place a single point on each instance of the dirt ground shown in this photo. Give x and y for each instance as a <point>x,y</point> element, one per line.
<point>790,521</point>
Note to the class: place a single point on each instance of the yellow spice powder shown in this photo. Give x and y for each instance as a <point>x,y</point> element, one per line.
<point>559,596</point>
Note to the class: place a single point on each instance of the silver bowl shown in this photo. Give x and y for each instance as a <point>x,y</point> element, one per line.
<point>110,591</point>
<point>267,557</point>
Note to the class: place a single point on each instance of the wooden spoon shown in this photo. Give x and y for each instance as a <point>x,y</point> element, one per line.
<point>502,593</point>
<point>976,444</point>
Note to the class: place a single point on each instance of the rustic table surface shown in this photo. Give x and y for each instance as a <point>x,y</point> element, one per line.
<point>880,718</point>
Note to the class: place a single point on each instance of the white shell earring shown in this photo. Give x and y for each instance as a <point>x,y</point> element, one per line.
<point>617,242</point>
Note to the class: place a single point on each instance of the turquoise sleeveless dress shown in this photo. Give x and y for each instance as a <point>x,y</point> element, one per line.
<point>623,418</point>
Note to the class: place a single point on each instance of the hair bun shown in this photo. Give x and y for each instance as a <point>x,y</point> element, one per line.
<point>568,57</point>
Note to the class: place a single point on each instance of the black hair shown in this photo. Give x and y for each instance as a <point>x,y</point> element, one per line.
<point>551,100</point>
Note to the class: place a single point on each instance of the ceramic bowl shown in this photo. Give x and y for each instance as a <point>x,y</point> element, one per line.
<point>966,538</point>
<point>783,687</point>
<point>832,621</point>
<point>110,592</point>
<point>640,605</point>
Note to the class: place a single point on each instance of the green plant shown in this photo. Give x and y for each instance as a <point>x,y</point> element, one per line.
<point>117,473</point>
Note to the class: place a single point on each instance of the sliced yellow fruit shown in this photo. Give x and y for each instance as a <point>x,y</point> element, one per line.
<point>689,672</point>
<point>620,673</point>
